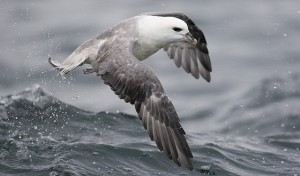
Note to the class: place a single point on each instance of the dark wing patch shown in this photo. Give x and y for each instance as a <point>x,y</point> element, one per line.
<point>194,60</point>
<point>134,82</point>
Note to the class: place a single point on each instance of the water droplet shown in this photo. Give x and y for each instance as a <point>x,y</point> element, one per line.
<point>282,162</point>
<point>284,35</point>
<point>35,127</point>
<point>127,169</point>
<point>53,173</point>
<point>205,167</point>
<point>95,153</point>
<point>285,149</point>
<point>94,162</point>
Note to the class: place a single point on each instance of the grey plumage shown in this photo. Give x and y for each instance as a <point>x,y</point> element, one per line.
<point>115,56</point>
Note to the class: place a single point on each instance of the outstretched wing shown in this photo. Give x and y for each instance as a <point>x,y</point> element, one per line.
<point>136,83</point>
<point>193,59</point>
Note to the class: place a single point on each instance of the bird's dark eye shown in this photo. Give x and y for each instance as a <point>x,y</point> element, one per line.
<point>177,29</point>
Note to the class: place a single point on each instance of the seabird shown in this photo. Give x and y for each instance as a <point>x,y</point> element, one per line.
<point>116,55</point>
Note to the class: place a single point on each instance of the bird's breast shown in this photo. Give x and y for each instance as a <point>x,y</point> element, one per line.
<point>142,50</point>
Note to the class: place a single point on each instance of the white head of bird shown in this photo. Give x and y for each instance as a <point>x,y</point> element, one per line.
<point>161,31</point>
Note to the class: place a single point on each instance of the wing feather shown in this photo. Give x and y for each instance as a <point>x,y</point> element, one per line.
<point>186,60</point>
<point>137,84</point>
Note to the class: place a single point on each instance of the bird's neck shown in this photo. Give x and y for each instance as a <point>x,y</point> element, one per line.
<point>142,49</point>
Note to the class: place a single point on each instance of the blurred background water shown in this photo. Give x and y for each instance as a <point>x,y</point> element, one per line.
<point>245,122</point>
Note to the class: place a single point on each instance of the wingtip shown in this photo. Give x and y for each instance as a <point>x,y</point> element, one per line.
<point>208,80</point>
<point>187,163</point>
<point>205,61</point>
<point>190,167</point>
<point>205,75</point>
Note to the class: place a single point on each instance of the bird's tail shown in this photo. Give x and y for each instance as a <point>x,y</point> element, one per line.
<point>68,65</point>
<point>84,54</point>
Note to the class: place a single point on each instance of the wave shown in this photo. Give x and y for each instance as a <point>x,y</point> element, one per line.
<point>271,106</point>
<point>41,135</point>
